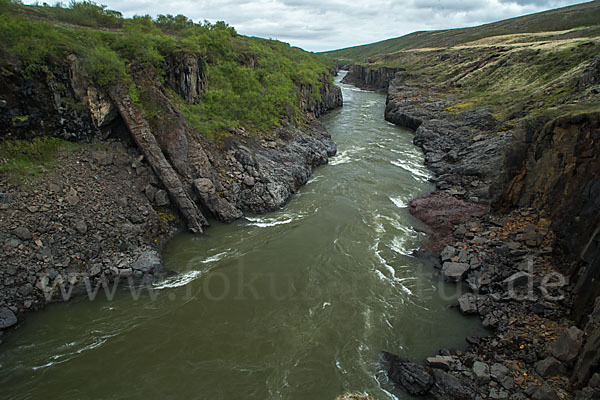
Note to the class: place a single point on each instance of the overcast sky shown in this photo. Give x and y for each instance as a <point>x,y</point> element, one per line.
<point>318,25</point>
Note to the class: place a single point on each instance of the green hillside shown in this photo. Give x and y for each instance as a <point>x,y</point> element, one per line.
<point>252,83</point>
<point>586,15</point>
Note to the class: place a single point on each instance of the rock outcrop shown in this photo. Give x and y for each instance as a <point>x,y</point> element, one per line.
<point>540,182</point>
<point>554,166</point>
<point>54,102</point>
<point>170,170</point>
<point>368,78</point>
<point>186,76</point>
<point>148,145</point>
<point>460,149</point>
<point>329,97</point>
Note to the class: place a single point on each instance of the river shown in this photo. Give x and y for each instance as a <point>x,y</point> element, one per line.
<point>296,304</point>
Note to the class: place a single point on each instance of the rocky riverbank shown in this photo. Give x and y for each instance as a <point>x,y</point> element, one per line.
<point>506,246</point>
<point>100,216</point>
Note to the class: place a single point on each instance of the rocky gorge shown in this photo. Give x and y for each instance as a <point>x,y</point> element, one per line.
<point>514,219</point>
<point>127,182</point>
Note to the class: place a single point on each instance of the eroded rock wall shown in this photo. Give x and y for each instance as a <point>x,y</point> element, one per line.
<point>369,78</point>
<point>554,167</point>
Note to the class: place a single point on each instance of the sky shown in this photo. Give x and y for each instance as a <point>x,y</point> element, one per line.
<point>318,25</point>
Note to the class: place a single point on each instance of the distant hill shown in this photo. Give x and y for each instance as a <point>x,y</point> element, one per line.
<point>581,15</point>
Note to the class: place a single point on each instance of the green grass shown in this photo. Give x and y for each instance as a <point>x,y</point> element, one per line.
<point>22,159</point>
<point>584,16</point>
<point>253,83</point>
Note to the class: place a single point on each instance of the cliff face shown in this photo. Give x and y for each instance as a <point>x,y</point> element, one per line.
<point>368,78</point>
<point>53,102</point>
<point>544,167</point>
<point>465,159</point>
<point>330,97</point>
<point>244,173</point>
<point>112,203</point>
<point>554,167</point>
<point>186,75</point>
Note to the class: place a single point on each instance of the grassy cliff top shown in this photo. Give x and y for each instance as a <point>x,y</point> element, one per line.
<point>540,65</point>
<point>252,83</point>
<point>585,16</point>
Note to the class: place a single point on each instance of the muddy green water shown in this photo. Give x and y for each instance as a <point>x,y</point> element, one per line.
<point>296,304</point>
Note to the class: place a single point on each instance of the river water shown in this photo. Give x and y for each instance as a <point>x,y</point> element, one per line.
<point>296,304</point>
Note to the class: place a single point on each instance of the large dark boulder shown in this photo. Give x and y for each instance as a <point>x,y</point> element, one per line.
<point>413,378</point>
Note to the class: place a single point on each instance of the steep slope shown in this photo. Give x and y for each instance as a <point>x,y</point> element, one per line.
<point>113,129</point>
<point>582,15</point>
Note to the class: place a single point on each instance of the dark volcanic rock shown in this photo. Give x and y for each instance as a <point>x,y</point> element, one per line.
<point>23,233</point>
<point>148,262</point>
<point>7,318</point>
<point>449,387</point>
<point>568,345</point>
<point>367,78</point>
<point>468,303</point>
<point>550,366</point>
<point>413,378</point>
<point>454,271</point>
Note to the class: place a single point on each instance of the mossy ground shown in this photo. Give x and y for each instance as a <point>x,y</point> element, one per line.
<point>24,159</point>
<point>580,20</point>
<point>520,75</point>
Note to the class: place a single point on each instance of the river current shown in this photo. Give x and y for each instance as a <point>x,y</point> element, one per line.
<point>295,304</point>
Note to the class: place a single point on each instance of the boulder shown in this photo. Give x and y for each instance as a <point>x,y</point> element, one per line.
<point>447,253</point>
<point>449,387</point>
<point>454,271</point>
<point>249,181</point>
<point>148,262</point>
<point>23,233</point>
<point>72,199</point>
<point>481,371</point>
<point>498,372</point>
<point>568,345</point>
<point>81,226</point>
<point>7,318</point>
<point>594,381</point>
<point>413,378</point>
<point>468,303</point>
<point>440,362</point>
<point>150,191</point>
<point>545,392</point>
<point>204,186</point>
<point>498,394</point>
<point>161,198</point>
<point>549,366</point>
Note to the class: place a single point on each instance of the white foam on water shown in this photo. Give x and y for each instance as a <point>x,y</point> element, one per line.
<point>315,178</point>
<point>178,280</point>
<point>62,358</point>
<point>355,89</point>
<point>406,154</point>
<point>379,227</point>
<point>216,257</point>
<point>398,245</point>
<point>398,202</point>
<point>266,222</point>
<point>343,157</point>
<point>394,280</point>
<point>395,223</point>
<point>413,170</point>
